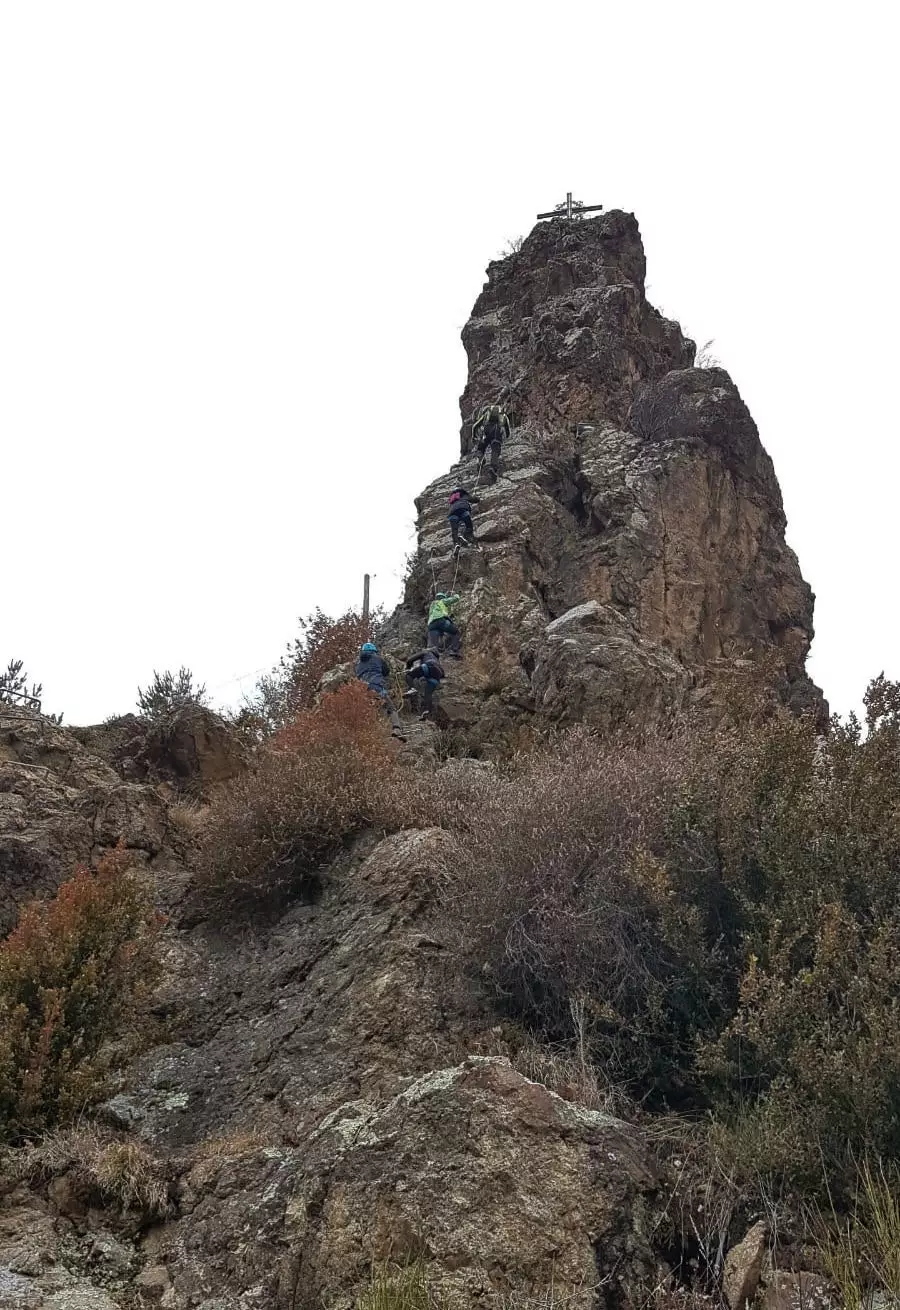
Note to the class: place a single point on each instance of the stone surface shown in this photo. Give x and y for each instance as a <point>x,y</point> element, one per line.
<point>784,1290</point>
<point>493,1180</point>
<point>743,1267</point>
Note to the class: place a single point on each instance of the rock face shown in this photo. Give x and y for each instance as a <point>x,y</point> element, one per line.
<point>61,806</point>
<point>634,547</point>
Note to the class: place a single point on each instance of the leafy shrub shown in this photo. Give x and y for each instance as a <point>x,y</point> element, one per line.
<point>14,684</point>
<point>72,976</point>
<point>806,833</point>
<point>320,780</point>
<point>169,692</point>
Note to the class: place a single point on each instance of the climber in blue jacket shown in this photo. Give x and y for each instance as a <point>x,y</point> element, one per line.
<point>374,672</point>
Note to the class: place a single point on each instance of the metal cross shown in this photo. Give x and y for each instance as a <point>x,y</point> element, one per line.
<point>571,209</point>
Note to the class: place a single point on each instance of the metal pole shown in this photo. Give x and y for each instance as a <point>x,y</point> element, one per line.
<point>366,599</point>
<point>568,204</point>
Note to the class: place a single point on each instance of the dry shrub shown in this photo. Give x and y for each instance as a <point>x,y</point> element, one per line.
<point>329,774</point>
<point>563,902</point>
<point>73,975</point>
<point>292,686</point>
<point>104,1168</point>
<point>725,909</point>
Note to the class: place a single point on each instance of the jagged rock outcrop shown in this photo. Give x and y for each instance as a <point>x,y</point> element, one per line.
<point>61,806</point>
<point>634,547</point>
<point>192,748</point>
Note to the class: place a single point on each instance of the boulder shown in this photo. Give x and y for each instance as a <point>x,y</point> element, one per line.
<point>743,1267</point>
<point>191,747</point>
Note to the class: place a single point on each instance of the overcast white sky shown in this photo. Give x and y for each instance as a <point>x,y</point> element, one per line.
<point>238,242</point>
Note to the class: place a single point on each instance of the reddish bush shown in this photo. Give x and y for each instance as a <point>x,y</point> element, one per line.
<point>323,644</point>
<point>328,774</point>
<point>72,976</point>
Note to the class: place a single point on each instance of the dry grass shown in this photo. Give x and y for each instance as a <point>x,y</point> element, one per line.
<point>399,1287</point>
<point>860,1252</point>
<point>188,818</point>
<point>120,1172</point>
<point>570,1074</point>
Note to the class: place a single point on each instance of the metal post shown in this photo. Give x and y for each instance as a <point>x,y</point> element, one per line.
<point>366,600</point>
<point>568,204</point>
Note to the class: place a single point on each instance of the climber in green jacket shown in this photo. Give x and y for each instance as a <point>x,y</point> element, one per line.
<point>440,624</point>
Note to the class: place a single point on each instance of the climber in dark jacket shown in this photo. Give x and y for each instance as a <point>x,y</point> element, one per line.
<point>374,672</point>
<point>460,516</point>
<point>489,429</point>
<point>424,674</point>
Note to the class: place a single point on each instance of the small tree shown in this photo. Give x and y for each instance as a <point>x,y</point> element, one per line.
<point>169,692</point>
<point>14,688</point>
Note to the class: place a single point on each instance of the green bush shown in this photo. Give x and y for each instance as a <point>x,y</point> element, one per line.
<point>73,974</point>
<point>169,692</point>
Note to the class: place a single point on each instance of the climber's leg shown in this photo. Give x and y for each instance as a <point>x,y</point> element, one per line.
<point>451,631</point>
<point>388,707</point>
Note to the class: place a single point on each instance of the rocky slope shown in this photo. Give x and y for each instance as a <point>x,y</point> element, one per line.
<point>330,1092</point>
<point>634,548</point>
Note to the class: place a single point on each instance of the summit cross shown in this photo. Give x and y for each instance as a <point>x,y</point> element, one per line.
<point>571,209</point>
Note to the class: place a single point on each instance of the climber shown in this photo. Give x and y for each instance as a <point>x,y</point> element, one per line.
<point>424,674</point>
<point>489,429</point>
<point>460,516</point>
<point>440,624</point>
<point>374,672</point>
